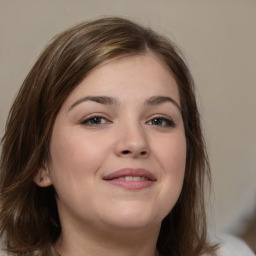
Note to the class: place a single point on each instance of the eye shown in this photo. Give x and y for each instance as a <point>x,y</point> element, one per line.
<point>161,121</point>
<point>94,121</point>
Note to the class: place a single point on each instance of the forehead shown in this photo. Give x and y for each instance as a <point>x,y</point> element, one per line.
<point>140,76</point>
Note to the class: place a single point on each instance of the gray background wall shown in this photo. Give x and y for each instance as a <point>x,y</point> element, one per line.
<point>219,41</point>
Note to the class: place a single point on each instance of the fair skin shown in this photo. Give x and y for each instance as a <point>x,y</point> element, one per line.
<point>125,117</point>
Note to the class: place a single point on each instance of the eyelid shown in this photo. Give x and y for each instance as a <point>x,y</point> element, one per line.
<point>158,115</point>
<point>94,115</point>
<point>169,120</point>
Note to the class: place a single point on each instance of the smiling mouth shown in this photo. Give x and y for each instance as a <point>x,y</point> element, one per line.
<point>131,179</point>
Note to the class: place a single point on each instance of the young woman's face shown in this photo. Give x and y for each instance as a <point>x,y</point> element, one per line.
<point>118,146</point>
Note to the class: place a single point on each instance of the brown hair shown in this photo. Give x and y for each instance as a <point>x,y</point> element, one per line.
<point>28,214</point>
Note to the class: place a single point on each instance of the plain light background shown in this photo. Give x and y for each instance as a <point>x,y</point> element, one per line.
<point>218,39</point>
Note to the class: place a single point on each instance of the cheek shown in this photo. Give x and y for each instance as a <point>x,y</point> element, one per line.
<point>171,153</point>
<point>75,155</point>
<point>172,158</point>
<point>74,165</point>
<point>174,169</point>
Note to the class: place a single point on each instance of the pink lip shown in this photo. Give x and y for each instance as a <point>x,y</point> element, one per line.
<point>115,178</point>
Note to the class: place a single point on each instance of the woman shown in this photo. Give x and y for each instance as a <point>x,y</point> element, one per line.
<point>103,152</point>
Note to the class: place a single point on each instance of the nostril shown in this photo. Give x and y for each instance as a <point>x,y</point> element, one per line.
<point>134,153</point>
<point>125,152</point>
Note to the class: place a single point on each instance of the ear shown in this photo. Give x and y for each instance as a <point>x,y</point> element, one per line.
<point>42,178</point>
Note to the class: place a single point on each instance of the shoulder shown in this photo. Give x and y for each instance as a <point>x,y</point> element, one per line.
<point>231,246</point>
<point>2,245</point>
<point>3,253</point>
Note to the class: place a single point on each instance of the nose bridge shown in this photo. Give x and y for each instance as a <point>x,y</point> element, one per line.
<point>135,134</point>
<point>132,140</point>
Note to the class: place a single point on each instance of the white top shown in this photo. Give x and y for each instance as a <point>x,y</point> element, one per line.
<point>231,246</point>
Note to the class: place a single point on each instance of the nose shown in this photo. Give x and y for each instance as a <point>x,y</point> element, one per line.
<point>132,142</point>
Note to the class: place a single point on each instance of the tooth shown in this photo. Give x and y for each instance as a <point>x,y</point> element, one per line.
<point>128,178</point>
<point>137,178</point>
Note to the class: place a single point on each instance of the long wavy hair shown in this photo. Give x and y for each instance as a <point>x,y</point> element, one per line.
<point>29,219</point>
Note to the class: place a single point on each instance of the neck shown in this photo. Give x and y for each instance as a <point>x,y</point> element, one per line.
<point>139,242</point>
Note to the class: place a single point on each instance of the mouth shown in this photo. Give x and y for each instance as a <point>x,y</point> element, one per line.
<point>131,179</point>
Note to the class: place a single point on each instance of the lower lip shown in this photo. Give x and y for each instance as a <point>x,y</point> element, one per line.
<point>131,185</point>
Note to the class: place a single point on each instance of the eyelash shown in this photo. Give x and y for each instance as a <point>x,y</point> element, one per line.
<point>98,118</point>
<point>94,117</point>
<point>168,122</point>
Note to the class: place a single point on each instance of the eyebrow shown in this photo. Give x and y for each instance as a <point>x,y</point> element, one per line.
<point>106,100</point>
<point>158,100</point>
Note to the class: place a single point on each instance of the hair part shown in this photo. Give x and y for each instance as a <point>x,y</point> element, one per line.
<point>28,214</point>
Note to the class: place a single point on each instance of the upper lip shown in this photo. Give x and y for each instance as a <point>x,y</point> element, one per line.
<point>130,172</point>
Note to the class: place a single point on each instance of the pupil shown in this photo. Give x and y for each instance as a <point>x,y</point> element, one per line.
<point>157,121</point>
<point>95,120</point>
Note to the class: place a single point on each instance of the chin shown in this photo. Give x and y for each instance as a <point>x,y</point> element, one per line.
<point>133,224</point>
<point>135,218</point>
